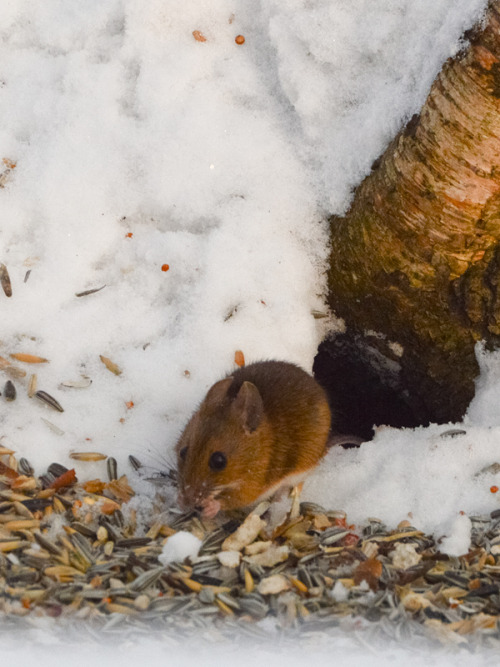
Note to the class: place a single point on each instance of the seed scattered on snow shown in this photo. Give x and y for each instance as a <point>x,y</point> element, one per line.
<point>78,384</point>
<point>32,385</point>
<point>29,358</point>
<point>452,433</point>
<point>491,469</point>
<point>90,291</point>
<point>49,400</point>
<point>134,462</point>
<point>87,456</point>
<point>5,280</point>
<point>112,468</point>
<point>9,391</point>
<point>14,372</point>
<point>53,427</point>
<point>110,365</point>
<point>199,37</point>
<point>239,358</point>
<point>4,451</point>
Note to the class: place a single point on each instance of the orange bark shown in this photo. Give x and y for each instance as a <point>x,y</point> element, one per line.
<point>416,259</point>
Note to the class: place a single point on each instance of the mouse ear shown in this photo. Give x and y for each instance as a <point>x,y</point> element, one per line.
<point>249,406</point>
<point>217,393</point>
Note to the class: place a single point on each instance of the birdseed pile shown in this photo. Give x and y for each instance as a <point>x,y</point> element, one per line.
<point>76,552</point>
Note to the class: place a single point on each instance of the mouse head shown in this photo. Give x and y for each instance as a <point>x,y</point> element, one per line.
<point>220,452</point>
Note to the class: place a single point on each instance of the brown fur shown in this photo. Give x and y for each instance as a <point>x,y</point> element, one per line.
<point>270,419</point>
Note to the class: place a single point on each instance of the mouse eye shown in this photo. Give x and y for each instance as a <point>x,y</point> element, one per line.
<point>182,453</point>
<point>217,461</point>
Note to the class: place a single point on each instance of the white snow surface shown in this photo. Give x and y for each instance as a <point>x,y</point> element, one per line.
<point>180,546</point>
<point>137,146</point>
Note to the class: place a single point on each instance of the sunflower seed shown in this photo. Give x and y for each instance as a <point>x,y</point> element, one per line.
<point>333,535</point>
<point>49,400</point>
<point>452,433</point>
<point>135,463</point>
<point>52,426</point>
<point>112,468</point>
<point>146,579</point>
<point>5,280</point>
<point>77,384</point>
<point>90,291</point>
<point>9,391</point>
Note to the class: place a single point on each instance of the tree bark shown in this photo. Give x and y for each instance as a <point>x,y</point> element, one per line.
<point>416,258</point>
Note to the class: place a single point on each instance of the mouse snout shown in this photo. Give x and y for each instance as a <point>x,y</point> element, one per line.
<point>200,500</point>
<point>186,499</point>
<point>190,497</point>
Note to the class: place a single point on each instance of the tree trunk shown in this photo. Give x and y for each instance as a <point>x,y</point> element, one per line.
<point>416,259</point>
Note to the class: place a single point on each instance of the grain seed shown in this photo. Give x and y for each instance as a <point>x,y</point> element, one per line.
<point>90,291</point>
<point>52,426</point>
<point>28,358</point>
<point>110,365</point>
<point>32,385</point>
<point>87,456</point>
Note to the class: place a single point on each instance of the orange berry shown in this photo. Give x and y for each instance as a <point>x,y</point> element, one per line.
<point>239,39</point>
<point>199,36</point>
<point>493,489</point>
<point>165,267</point>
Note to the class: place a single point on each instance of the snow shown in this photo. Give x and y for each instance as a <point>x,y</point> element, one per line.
<point>137,146</point>
<point>155,652</point>
<point>427,476</point>
<point>458,541</point>
<point>180,546</point>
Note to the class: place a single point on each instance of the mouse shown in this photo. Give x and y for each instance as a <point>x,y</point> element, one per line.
<point>256,432</point>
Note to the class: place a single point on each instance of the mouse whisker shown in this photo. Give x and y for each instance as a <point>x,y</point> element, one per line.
<point>225,487</point>
<point>160,465</point>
